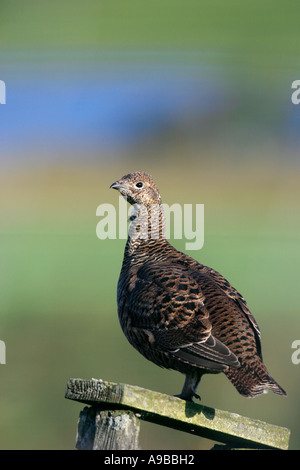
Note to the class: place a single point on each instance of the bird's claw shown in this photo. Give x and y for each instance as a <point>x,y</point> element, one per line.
<point>188,397</point>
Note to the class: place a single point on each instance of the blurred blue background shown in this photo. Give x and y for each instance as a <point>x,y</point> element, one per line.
<point>199,95</point>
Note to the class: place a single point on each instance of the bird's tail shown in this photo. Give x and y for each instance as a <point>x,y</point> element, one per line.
<point>253,380</point>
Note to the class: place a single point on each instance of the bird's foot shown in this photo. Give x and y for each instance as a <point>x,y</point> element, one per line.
<point>188,396</point>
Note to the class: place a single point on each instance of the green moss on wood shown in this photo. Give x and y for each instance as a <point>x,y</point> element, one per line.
<point>222,426</point>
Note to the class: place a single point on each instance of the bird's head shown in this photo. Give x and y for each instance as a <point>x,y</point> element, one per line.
<point>138,188</point>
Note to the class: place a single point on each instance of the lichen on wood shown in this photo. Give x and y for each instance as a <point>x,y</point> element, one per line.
<point>221,426</point>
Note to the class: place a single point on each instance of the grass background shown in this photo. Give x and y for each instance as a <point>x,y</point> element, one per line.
<point>58,314</point>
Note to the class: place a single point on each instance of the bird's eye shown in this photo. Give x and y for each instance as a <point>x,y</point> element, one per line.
<point>139,184</point>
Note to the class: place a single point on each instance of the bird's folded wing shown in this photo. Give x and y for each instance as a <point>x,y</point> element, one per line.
<point>167,308</point>
<point>233,294</point>
<point>209,353</point>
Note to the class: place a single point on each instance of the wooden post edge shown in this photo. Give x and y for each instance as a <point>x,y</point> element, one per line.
<point>221,426</point>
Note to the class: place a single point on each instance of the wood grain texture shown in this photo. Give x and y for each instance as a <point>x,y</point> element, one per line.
<point>107,430</point>
<point>221,426</point>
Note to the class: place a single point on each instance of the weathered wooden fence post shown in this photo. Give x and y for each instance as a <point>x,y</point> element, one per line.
<point>112,420</point>
<point>107,430</point>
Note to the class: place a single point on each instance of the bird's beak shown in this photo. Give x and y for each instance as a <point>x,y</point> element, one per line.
<point>115,185</point>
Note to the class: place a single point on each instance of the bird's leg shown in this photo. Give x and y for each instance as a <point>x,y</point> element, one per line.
<point>190,386</point>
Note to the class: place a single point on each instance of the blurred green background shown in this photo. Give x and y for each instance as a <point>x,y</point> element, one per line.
<point>198,94</point>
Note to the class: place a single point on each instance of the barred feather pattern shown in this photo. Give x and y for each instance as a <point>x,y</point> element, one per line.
<point>181,314</point>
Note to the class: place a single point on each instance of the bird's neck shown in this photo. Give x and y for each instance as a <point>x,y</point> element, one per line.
<point>147,223</point>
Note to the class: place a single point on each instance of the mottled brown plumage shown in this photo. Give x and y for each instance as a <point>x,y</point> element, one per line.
<point>179,313</point>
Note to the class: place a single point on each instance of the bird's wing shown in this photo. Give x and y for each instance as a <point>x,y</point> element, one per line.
<point>226,288</point>
<point>233,294</point>
<point>167,309</point>
<point>210,279</point>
